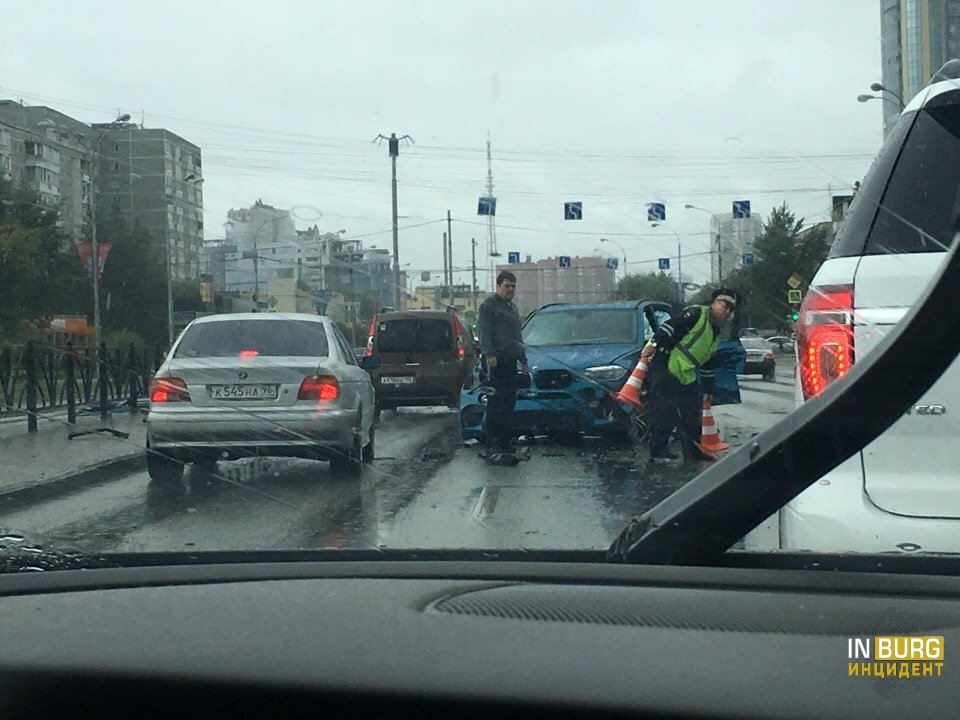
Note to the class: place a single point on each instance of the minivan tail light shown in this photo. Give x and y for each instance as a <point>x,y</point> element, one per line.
<point>368,350</point>
<point>323,388</point>
<point>170,389</point>
<point>458,329</point>
<point>825,337</point>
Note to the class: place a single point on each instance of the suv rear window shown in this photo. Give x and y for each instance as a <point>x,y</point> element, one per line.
<point>228,338</point>
<point>409,335</point>
<point>908,202</point>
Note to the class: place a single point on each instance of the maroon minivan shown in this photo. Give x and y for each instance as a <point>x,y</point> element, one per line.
<point>419,357</point>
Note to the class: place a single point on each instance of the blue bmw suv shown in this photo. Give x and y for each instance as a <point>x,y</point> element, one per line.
<point>578,354</point>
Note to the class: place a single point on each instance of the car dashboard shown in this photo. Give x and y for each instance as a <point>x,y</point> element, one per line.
<point>431,637</point>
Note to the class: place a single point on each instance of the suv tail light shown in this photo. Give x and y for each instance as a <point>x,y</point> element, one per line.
<point>170,389</point>
<point>324,388</point>
<point>825,337</point>
<point>368,350</point>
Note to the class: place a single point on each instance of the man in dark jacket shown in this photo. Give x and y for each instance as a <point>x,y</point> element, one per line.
<point>501,346</point>
<point>679,348</point>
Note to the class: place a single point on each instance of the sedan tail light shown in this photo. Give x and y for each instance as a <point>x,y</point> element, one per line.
<point>324,388</point>
<point>170,389</point>
<point>825,337</point>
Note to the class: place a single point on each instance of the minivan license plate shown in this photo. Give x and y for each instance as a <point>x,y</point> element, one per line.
<point>398,380</point>
<point>243,392</point>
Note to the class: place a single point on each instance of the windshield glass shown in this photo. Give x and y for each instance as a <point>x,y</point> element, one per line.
<point>581,327</point>
<point>253,337</point>
<point>546,243</point>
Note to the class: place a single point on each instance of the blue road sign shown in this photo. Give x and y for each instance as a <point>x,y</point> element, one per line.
<point>741,209</point>
<point>487,206</point>
<point>564,261</point>
<point>656,211</point>
<point>613,263</point>
<point>748,259</point>
<point>573,211</point>
<point>513,258</point>
<point>664,263</point>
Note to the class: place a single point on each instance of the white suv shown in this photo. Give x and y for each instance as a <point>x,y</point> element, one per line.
<point>901,493</point>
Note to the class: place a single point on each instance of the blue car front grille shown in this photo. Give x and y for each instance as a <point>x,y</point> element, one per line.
<point>552,379</point>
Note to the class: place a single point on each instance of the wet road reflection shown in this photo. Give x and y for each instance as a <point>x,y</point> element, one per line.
<point>425,490</point>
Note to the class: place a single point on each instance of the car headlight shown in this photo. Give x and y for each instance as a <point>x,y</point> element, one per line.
<point>605,373</point>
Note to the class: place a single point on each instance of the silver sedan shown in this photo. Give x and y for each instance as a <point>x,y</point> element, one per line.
<point>243,384</point>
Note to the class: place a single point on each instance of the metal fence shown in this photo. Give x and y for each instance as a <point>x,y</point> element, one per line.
<point>36,377</point>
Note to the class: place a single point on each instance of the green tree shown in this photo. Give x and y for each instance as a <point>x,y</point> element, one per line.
<point>648,286</point>
<point>134,280</point>
<point>40,271</point>
<point>779,254</point>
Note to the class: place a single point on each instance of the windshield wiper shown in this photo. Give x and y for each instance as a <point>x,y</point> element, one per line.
<point>712,512</point>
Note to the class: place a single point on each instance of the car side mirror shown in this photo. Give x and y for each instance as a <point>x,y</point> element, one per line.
<point>370,362</point>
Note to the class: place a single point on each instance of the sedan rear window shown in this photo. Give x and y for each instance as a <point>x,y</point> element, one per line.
<point>581,327</point>
<point>409,335</point>
<point>229,338</point>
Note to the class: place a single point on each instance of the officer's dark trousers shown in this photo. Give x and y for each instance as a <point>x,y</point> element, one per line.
<point>499,423</point>
<point>672,405</point>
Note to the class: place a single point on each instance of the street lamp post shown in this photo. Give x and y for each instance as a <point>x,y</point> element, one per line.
<point>614,242</point>
<point>867,98</point>
<point>679,260</point>
<point>94,245</point>
<point>878,87</point>
<point>719,246</point>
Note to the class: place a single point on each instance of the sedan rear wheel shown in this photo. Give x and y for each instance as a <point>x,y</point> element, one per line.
<point>368,449</point>
<point>347,463</point>
<point>162,469</point>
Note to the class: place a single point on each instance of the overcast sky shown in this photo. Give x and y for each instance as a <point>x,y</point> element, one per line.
<point>617,104</point>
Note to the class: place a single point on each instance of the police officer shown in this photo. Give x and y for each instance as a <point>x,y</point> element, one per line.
<point>679,347</point>
<point>501,345</point>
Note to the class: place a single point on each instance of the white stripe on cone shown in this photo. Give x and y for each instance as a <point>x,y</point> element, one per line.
<point>710,435</point>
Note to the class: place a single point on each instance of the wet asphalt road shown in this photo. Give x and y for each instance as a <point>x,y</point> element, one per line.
<point>425,490</point>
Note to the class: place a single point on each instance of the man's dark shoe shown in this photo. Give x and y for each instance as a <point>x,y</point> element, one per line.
<point>700,455</point>
<point>663,456</point>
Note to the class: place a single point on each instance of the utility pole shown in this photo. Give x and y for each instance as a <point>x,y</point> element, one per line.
<point>446,268</point>
<point>394,147</point>
<point>473,271</point>
<point>450,252</point>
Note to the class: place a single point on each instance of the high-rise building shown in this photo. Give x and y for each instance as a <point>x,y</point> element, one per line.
<point>153,177</point>
<point>587,280</point>
<point>916,38</point>
<point>257,230</point>
<point>736,240</point>
<point>50,152</point>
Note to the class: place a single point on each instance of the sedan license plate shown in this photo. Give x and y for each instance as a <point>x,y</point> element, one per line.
<point>398,380</point>
<point>243,392</point>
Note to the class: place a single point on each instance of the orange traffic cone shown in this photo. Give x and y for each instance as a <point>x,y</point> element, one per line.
<point>630,392</point>
<point>710,441</point>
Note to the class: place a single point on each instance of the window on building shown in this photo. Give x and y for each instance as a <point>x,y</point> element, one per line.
<point>116,166</point>
<point>116,147</point>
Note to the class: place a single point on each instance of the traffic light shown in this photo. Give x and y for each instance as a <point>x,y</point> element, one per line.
<point>794,316</point>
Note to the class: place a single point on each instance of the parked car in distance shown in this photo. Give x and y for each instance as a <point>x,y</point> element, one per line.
<point>242,384</point>
<point>783,344</point>
<point>760,359</point>
<point>419,357</point>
